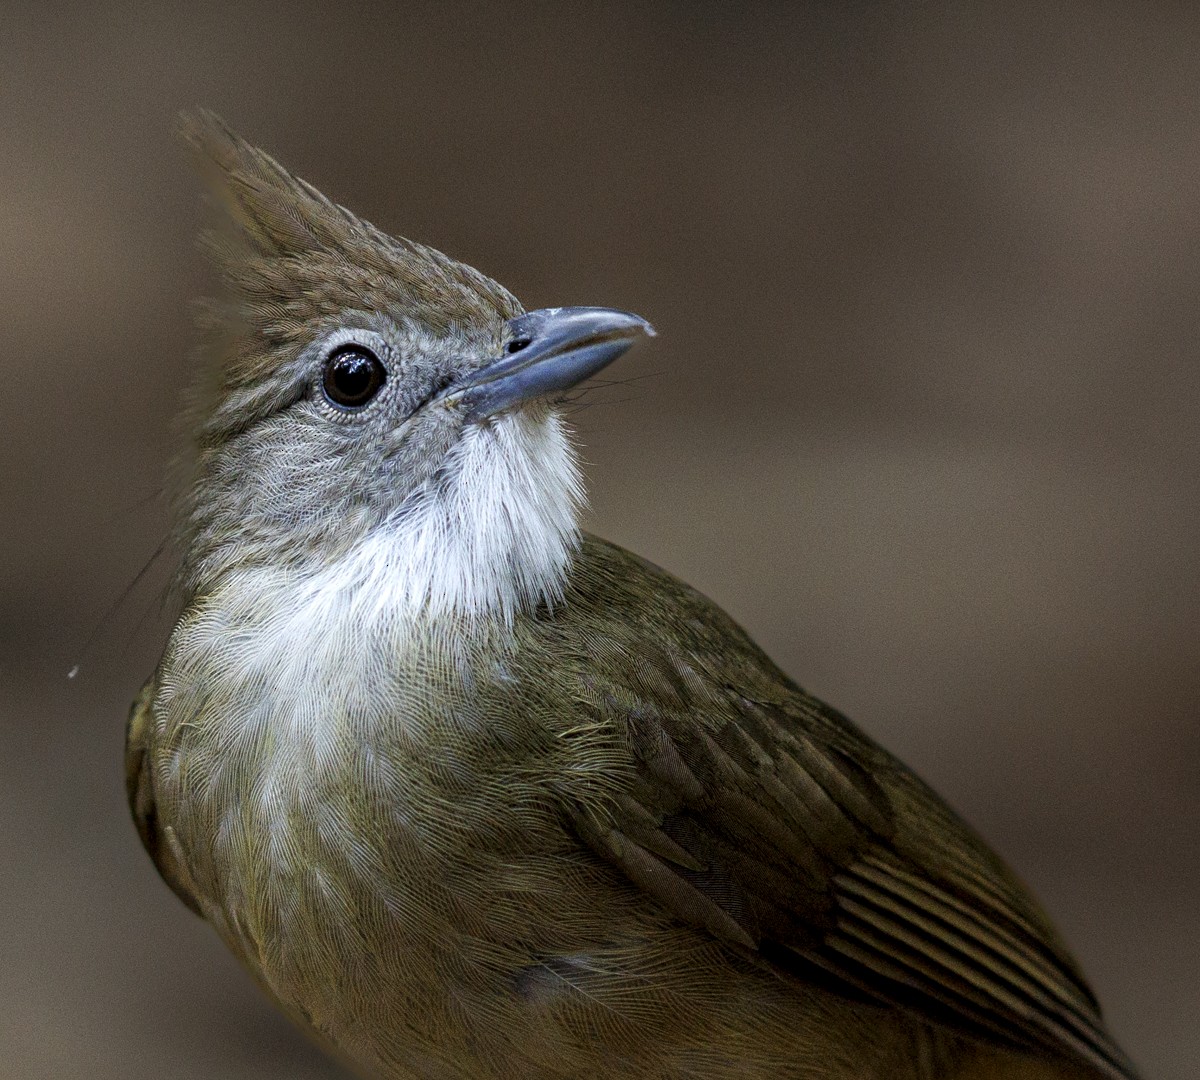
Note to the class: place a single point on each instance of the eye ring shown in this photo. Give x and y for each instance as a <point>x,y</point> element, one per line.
<point>353,376</point>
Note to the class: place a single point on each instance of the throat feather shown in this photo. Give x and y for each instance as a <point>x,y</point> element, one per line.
<point>494,536</point>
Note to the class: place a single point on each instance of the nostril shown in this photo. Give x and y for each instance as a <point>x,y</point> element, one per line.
<point>517,344</point>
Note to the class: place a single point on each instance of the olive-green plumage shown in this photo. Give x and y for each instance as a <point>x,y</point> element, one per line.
<point>593,832</point>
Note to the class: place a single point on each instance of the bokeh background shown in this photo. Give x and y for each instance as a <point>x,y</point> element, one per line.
<point>923,414</point>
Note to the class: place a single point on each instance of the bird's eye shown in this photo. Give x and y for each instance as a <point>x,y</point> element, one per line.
<point>517,344</point>
<point>353,376</point>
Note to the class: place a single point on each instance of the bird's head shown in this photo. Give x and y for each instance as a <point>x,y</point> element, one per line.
<point>372,414</point>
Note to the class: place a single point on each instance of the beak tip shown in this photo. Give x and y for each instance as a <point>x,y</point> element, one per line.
<point>638,323</point>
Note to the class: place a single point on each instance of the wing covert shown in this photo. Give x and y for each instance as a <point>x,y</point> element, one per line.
<point>139,790</point>
<point>771,821</point>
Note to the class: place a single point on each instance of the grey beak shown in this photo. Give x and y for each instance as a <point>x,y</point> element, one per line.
<point>551,350</point>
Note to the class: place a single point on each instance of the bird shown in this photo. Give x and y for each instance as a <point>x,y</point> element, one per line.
<point>476,795</point>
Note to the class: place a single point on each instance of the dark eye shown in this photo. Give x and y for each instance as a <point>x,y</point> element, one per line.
<point>517,344</point>
<point>353,376</point>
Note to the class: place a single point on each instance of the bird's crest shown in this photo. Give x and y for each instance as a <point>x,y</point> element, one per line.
<point>291,259</point>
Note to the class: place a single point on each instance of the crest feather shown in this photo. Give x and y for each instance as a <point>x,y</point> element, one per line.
<point>282,242</point>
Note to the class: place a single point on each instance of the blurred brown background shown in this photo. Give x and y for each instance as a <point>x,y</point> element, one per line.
<point>922,413</point>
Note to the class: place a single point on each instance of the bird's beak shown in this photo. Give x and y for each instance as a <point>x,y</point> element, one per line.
<point>551,350</point>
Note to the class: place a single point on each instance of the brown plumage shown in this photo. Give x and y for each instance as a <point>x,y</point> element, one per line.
<point>595,833</point>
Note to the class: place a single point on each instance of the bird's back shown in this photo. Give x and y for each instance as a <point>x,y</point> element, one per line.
<point>771,820</point>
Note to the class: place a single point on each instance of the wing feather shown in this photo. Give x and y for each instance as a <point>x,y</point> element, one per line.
<point>139,790</point>
<point>774,823</point>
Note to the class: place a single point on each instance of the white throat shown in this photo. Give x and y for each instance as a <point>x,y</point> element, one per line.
<point>495,537</point>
